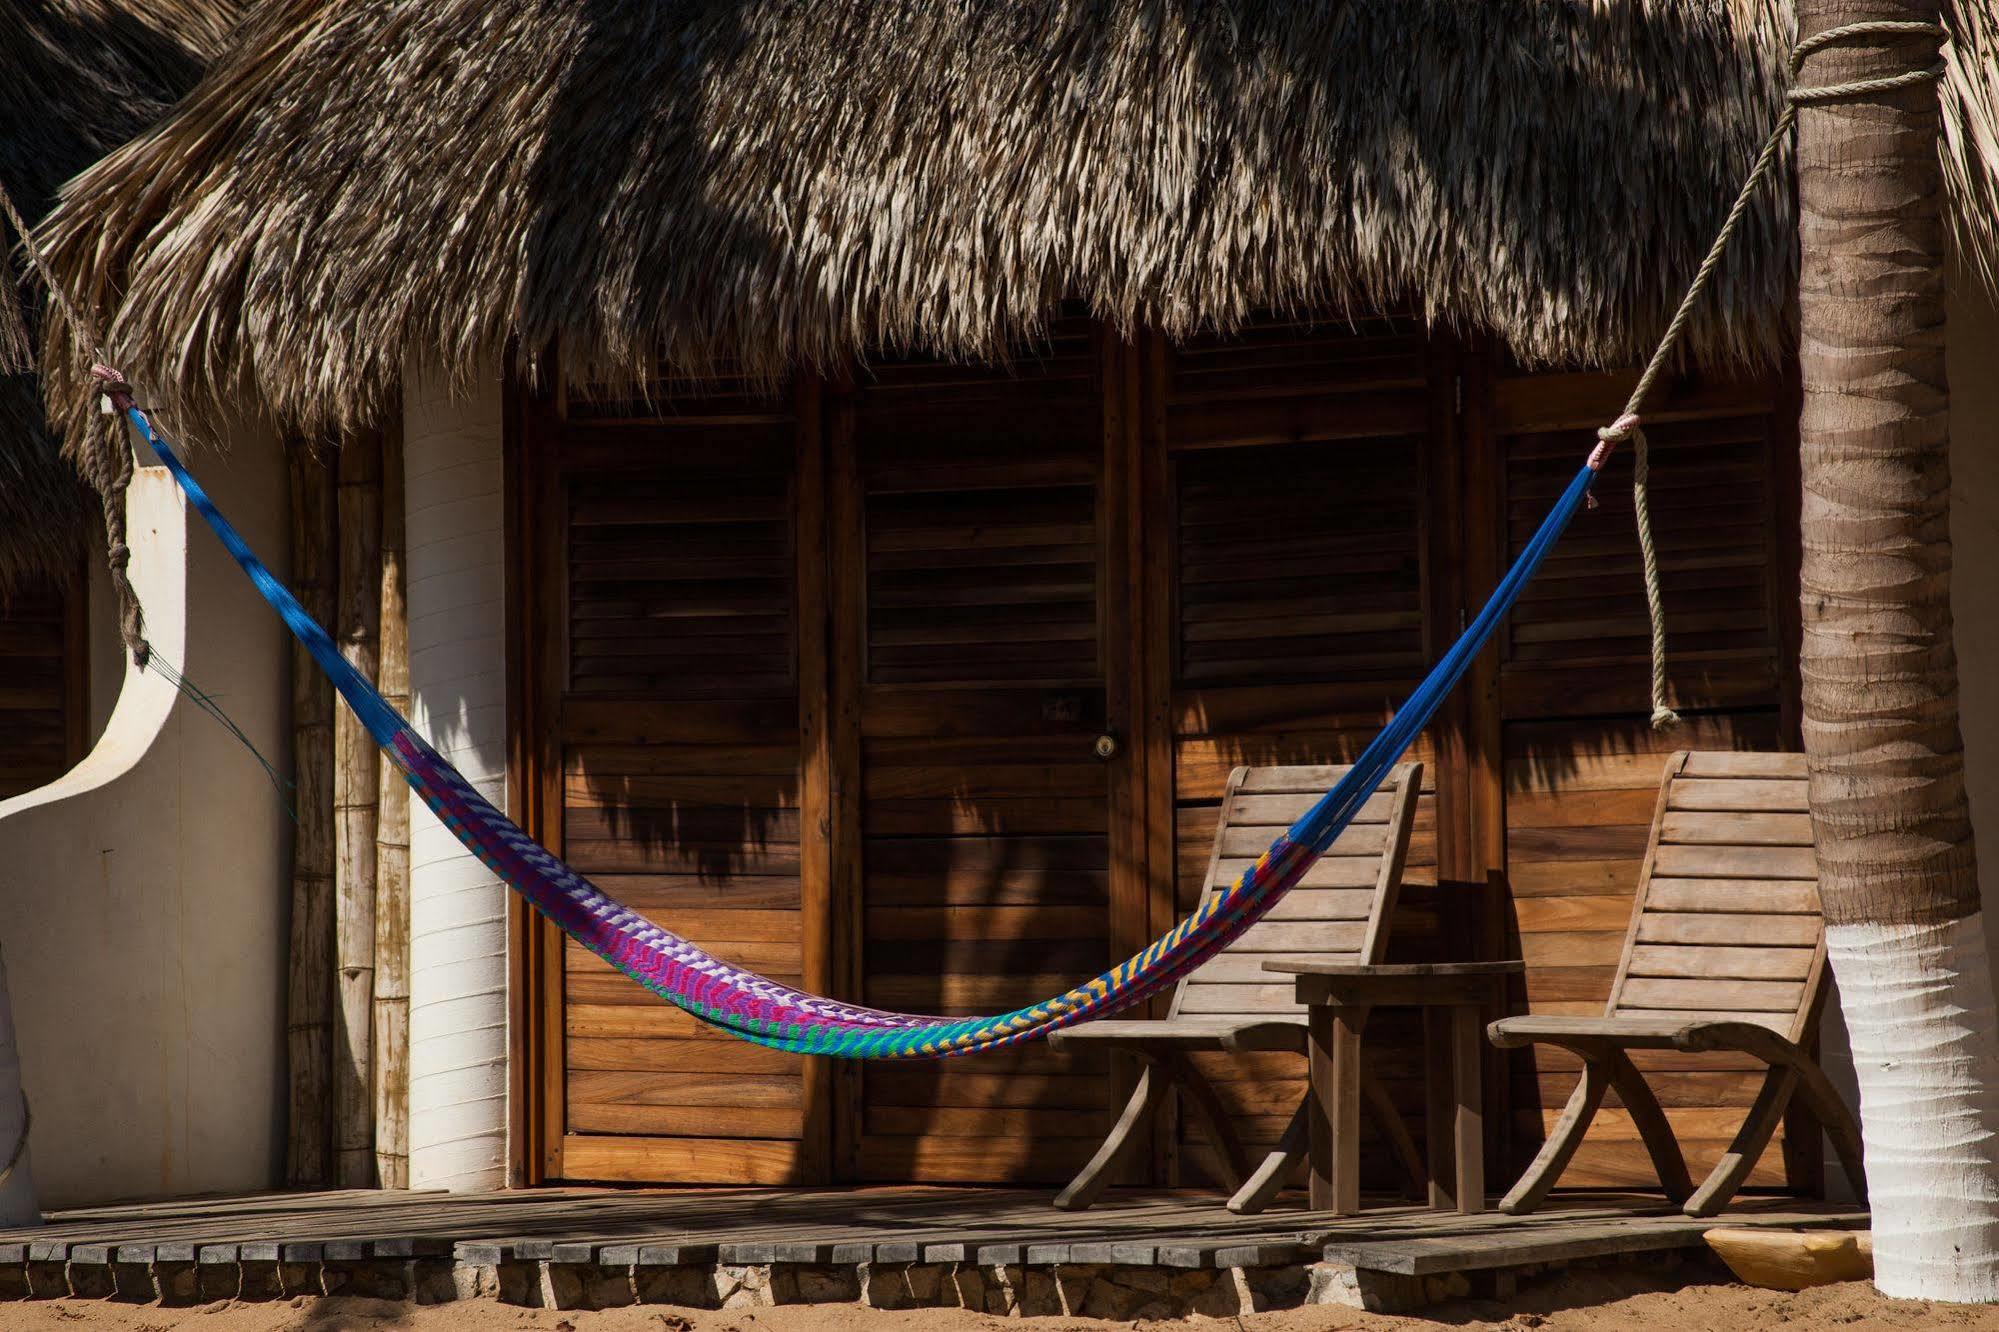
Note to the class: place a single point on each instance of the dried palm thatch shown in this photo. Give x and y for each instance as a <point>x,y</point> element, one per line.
<point>369,183</point>
<point>77,78</point>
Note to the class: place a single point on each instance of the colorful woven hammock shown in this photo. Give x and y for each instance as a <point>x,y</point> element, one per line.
<point>761,1010</point>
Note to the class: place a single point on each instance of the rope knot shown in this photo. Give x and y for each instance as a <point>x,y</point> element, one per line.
<point>1610,436</point>
<point>111,383</point>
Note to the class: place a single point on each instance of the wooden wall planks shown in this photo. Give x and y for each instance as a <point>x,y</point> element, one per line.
<point>1238,550</point>
<point>44,710</point>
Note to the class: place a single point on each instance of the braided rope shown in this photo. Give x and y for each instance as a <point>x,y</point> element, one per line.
<point>1627,424</point>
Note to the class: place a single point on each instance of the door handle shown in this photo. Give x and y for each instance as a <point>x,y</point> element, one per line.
<point>1106,747</point>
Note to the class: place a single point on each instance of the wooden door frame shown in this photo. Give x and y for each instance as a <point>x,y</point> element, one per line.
<point>534,1099</point>
<point>1135,634</point>
<point>1482,830</point>
<point>1123,641</point>
<point>822,792</point>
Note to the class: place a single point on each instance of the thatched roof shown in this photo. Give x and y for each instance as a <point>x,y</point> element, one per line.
<point>364,184</point>
<point>77,78</point>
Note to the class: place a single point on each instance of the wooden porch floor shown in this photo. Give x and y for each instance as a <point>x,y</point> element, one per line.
<point>582,1246</point>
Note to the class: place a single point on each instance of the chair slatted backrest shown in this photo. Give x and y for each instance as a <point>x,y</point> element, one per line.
<point>1727,922</point>
<point>1341,909</point>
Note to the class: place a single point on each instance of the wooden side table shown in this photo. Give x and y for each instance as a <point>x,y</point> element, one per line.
<point>1454,997</point>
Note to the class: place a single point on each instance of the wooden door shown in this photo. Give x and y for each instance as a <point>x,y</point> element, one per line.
<point>1305,484</point>
<point>667,717</point>
<point>978,638</point>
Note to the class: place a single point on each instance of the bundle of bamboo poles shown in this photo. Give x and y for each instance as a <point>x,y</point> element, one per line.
<point>348,1022</point>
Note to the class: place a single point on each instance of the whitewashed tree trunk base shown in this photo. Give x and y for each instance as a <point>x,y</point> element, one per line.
<point>1919,1009</point>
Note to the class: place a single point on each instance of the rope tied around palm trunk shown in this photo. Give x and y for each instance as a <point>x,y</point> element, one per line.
<point>1626,426</point>
<point>103,458</point>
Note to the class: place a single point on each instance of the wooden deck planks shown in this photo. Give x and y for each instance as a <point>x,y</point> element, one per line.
<point>857,1225</point>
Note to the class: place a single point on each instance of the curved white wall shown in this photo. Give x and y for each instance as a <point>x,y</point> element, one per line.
<point>458,689</point>
<point>143,895</point>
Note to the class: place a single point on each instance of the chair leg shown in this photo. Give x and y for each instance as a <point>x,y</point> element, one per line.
<point>1750,1140</point>
<point>1389,1120</point>
<point>1560,1148</point>
<point>1650,1121</point>
<point>1154,1083</point>
<point>1262,1187</point>
<point>1823,1100</point>
<point>1214,1117</point>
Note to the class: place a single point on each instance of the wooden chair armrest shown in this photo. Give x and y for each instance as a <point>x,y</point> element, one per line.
<point>1580,1033</point>
<point>1388,984</point>
<point>1692,1034</point>
<point>1751,1038</point>
<point>1282,1036</point>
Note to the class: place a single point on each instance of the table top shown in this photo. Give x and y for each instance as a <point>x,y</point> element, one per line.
<point>1398,970</point>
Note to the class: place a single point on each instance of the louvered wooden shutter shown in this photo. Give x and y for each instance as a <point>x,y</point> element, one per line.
<point>680,751</point>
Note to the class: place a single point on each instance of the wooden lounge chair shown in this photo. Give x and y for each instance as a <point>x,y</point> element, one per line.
<point>1726,951</point>
<point>1341,911</point>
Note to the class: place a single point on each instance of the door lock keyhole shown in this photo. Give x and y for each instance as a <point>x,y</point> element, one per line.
<point>1106,746</point>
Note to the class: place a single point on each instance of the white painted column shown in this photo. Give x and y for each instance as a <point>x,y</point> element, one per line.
<point>458,908</point>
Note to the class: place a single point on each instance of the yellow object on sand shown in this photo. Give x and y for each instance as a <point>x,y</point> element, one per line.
<point>1793,1259</point>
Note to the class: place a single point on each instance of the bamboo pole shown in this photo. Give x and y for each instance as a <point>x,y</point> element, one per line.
<point>309,983</point>
<point>355,784</point>
<point>392,852</point>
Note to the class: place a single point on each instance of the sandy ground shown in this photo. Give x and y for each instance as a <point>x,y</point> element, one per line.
<point>1585,1302</point>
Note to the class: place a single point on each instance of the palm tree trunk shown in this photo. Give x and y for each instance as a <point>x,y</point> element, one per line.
<point>1889,814</point>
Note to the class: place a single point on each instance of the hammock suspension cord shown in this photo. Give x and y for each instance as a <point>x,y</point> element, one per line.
<point>1627,424</point>
<point>769,1013</point>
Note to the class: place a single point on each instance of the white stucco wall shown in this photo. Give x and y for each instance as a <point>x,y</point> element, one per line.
<point>457,640</point>
<point>144,922</point>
